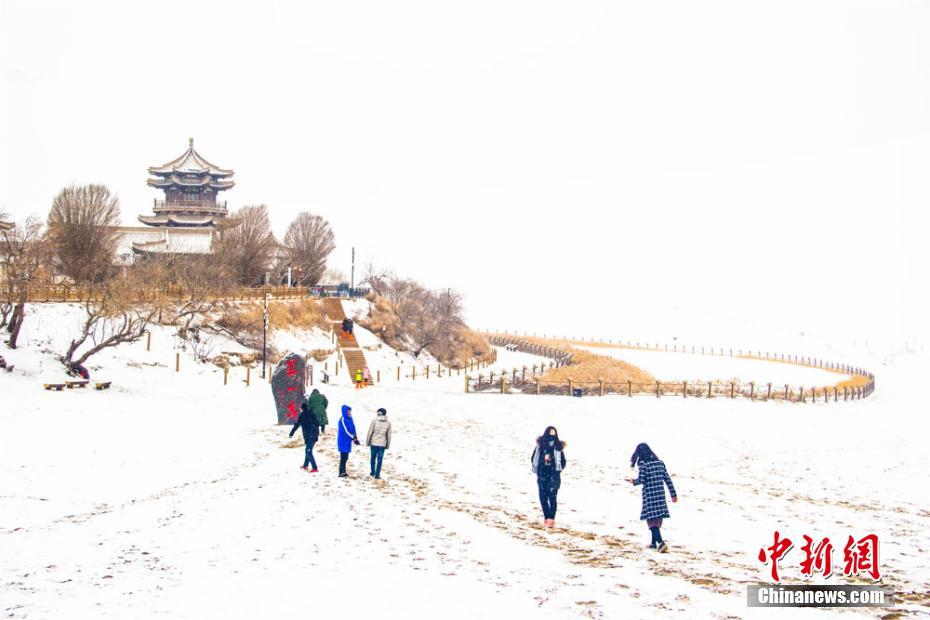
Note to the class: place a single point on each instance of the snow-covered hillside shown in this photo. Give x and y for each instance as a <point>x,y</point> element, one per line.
<point>172,495</point>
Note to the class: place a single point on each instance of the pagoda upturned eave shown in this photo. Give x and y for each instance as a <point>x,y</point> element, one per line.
<point>207,221</point>
<point>174,180</point>
<point>190,162</point>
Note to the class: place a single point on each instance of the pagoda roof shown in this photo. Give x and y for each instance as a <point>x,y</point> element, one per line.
<point>174,179</point>
<point>174,245</point>
<point>190,162</point>
<point>178,220</point>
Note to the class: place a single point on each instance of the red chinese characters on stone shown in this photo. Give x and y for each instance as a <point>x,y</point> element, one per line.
<point>292,410</point>
<point>289,364</point>
<point>861,557</point>
<point>776,552</point>
<point>819,557</point>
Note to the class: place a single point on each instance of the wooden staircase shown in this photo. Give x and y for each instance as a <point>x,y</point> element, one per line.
<point>353,354</point>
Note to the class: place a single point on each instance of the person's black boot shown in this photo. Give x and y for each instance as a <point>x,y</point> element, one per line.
<point>656,538</point>
<point>660,544</point>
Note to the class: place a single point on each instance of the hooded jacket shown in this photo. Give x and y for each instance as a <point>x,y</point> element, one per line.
<point>346,430</point>
<point>318,403</point>
<point>379,433</point>
<point>308,425</point>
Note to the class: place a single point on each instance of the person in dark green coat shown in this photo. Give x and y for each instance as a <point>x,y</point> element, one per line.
<point>317,404</point>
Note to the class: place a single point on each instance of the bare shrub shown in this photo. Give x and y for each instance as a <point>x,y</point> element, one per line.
<point>23,252</point>
<point>202,345</point>
<point>82,231</point>
<point>409,317</point>
<point>113,316</point>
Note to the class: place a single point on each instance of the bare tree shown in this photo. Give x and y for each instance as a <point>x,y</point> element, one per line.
<point>113,316</point>
<point>22,256</point>
<point>309,241</point>
<point>82,229</point>
<point>245,246</point>
<point>377,279</point>
<point>440,316</point>
<point>334,276</point>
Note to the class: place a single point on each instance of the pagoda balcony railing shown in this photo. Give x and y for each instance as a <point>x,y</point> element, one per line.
<point>192,206</point>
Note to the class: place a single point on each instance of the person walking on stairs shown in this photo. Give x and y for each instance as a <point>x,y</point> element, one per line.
<point>654,478</point>
<point>548,461</point>
<point>345,437</point>
<point>311,431</point>
<point>318,404</point>
<point>379,440</point>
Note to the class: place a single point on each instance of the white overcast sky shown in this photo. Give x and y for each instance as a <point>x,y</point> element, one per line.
<point>567,165</point>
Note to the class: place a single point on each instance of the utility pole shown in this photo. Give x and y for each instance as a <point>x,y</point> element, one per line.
<point>264,334</point>
<point>352,281</point>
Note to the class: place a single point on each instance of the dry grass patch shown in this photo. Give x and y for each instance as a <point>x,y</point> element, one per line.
<point>589,367</point>
<point>243,321</point>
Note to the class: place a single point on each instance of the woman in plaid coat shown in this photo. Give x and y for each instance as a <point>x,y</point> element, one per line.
<point>653,476</point>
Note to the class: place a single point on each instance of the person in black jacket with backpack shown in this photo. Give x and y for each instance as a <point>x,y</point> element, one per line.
<point>310,427</point>
<point>548,462</point>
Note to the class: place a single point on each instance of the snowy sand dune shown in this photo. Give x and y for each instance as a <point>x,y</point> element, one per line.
<point>174,496</point>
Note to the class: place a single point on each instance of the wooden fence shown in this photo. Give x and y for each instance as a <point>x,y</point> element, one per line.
<point>527,380</point>
<point>47,294</point>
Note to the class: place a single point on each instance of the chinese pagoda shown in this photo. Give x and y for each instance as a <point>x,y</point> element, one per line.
<point>191,185</point>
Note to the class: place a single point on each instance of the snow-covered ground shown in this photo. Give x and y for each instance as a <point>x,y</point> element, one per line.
<point>172,495</point>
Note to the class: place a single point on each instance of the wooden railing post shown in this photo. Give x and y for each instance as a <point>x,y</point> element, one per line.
<point>752,390</point>
<point>537,386</point>
<point>177,362</point>
<point>629,389</point>
<point>248,376</point>
<point>684,389</point>
<point>601,382</point>
<point>466,383</point>
<point>768,394</point>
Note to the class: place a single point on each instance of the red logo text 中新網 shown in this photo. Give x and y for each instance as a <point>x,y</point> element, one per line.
<point>860,557</point>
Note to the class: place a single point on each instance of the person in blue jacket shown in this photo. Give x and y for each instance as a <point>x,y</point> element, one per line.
<point>345,438</point>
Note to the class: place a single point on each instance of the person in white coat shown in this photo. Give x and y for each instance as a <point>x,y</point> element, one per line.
<point>379,440</point>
